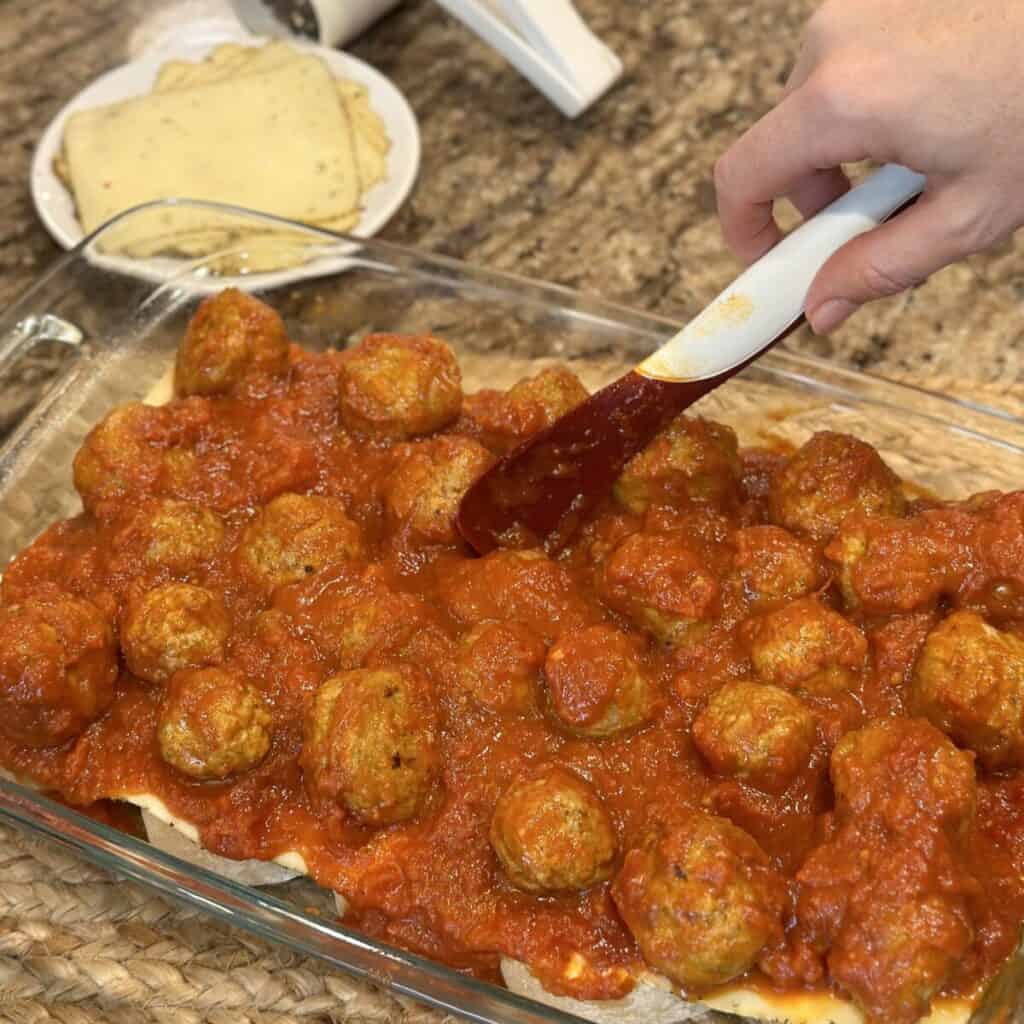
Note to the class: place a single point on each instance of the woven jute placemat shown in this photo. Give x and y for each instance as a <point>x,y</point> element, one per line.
<point>78,945</point>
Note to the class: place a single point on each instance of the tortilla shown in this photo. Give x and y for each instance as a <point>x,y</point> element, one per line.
<point>206,141</point>
<point>180,839</point>
<point>654,1002</point>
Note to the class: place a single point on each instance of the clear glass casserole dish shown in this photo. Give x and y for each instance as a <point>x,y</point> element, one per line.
<point>97,331</point>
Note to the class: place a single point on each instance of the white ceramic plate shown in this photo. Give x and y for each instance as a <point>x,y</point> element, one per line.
<point>55,205</point>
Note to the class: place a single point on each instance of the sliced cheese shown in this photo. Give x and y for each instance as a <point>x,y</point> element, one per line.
<point>278,142</point>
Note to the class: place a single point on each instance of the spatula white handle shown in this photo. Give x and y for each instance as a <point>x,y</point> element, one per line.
<point>768,297</point>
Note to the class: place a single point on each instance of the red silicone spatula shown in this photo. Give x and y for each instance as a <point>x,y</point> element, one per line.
<point>540,491</point>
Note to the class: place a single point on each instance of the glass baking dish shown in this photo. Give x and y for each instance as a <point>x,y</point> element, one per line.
<point>98,330</point>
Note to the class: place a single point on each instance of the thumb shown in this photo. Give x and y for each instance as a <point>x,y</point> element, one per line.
<point>890,258</point>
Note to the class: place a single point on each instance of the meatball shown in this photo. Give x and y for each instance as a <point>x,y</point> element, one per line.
<point>597,685</point>
<point>231,339</point>
<point>213,723</point>
<point>917,937</point>
<point>396,387</point>
<point>775,566</point>
<point>497,666</point>
<point>758,734</point>
<point>58,665</point>
<point>551,833</point>
<point>422,495</point>
<point>168,534</point>
<point>701,901</point>
<point>690,460</point>
<point>523,586</point>
<point>371,744</point>
<point>661,584</point>
<point>295,536</point>
<point>355,623</point>
<point>502,419</point>
<point>172,627</point>
<point>119,455</point>
<point>831,476</point>
<point>903,770</point>
<point>806,646</point>
<point>969,682</point>
<point>889,565</point>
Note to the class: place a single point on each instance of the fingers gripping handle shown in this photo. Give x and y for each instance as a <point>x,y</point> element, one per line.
<point>768,297</point>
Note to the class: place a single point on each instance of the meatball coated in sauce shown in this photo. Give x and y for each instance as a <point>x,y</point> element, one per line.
<point>213,723</point>
<point>829,477</point>
<point>755,733</point>
<point>174,535</point>
<point>661,583</point>
<point>173,627</point>
<point>394,387</point>
<point>775,566</point>
<point>701,901</point>
<point>371,744</point>
<point>690,460</point>
<point>969,682</point>
<point>904,769</point>
<point>422,495</point>
<point>523,586</point>
<point>501,419</point>
<point>232,340</point>
<point>295,536</point>
<point>597,685</point>
<point>551,833</point>
<point>120,455</point>
<point>806,646</point>
<point>498,664</point>
<point>58,666</point>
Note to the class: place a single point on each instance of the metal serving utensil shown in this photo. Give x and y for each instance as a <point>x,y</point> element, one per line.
<point>539,492</point>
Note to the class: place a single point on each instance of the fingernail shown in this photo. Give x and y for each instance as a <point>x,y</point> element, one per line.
<point>829,315</point>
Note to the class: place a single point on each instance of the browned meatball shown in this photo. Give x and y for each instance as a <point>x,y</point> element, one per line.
<point>232,339</point>
<point>118,456</point>
<point>369,620</point>
<point>422,495</point>
<point>690,460</point>
<point>524,586</point>
<point>806,646</point>
<point>498,664</point>
<point>969,681</point>
<point>831,476</point>
<point>597,685</point>
<point>758,734</point>
<point>295,536</point>
<point>172,627</point>
<point>660,583</point>
<point>213,723</point>
<point>889,565</point>
<point>397,387</point>
<point>371,744</point>
<point>531,405</point>
<point>168,534</point>
<point>775,566</point>
<point>701,901</point>
<point>551,833</point>
<point>903,770</point>
<point>545,397</point>
<point>58,665</point>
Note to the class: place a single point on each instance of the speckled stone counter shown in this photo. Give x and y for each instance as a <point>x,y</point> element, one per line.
<point>619,202</point>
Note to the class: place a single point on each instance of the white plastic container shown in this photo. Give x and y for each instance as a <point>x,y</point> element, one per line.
<point>328,22</point>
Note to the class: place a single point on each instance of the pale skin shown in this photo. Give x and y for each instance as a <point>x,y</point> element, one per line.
<point>936,85</point>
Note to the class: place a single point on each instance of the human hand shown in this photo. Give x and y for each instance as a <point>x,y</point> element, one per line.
<point>937,85</point>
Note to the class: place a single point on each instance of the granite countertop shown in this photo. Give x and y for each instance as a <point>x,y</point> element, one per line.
<point>618,203</point>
